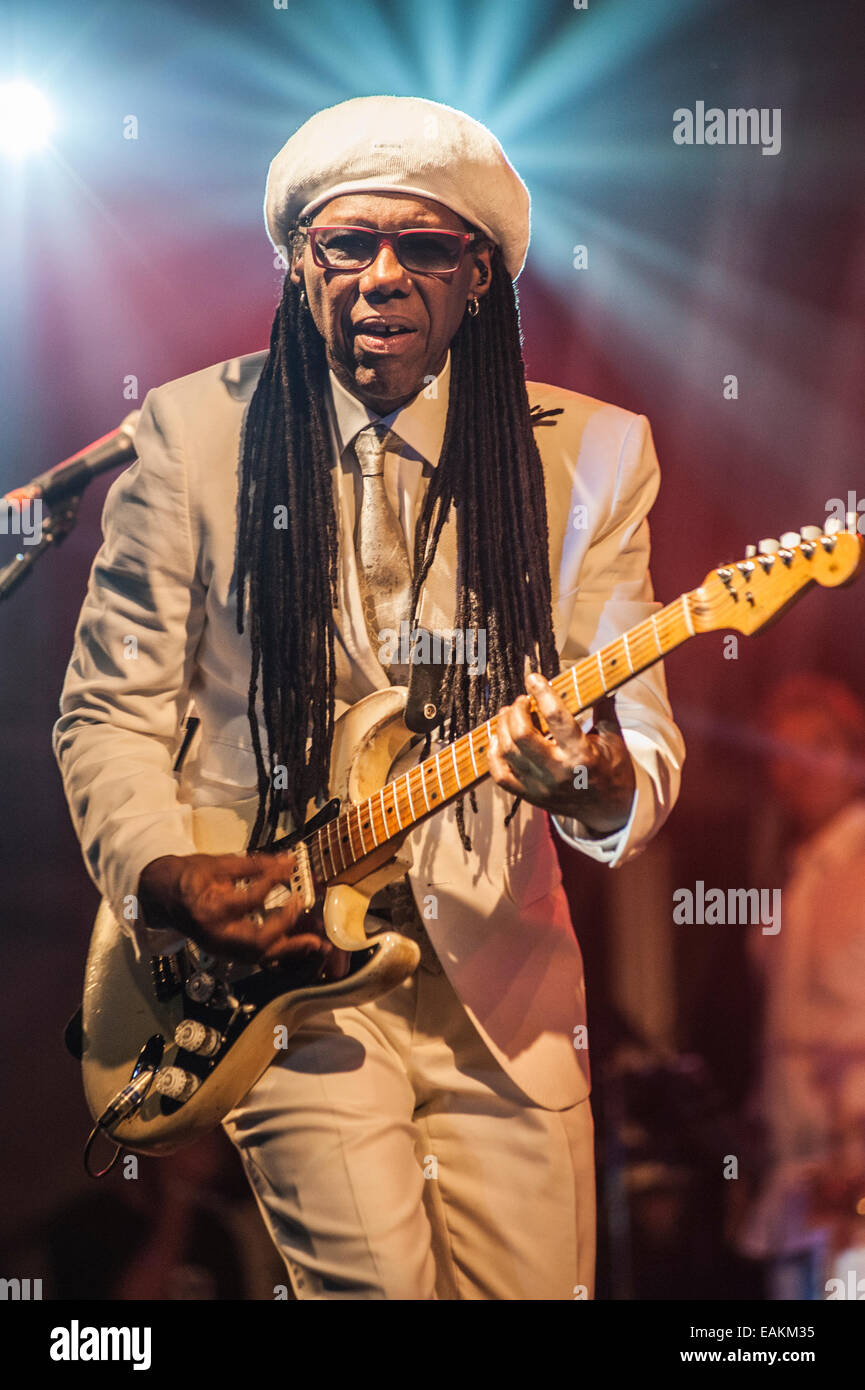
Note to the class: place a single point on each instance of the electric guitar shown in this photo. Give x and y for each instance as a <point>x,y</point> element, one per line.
<point>171,1043</point>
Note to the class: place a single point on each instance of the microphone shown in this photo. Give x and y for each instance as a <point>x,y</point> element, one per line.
<point>73,474</point>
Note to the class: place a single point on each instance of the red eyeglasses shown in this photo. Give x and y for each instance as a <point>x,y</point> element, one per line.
<point>423,250</point>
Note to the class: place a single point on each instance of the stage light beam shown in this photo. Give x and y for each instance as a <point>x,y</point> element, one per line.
<point>26,119</point>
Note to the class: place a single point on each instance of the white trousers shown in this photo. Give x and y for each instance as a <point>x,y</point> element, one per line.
<point>392,1158</point>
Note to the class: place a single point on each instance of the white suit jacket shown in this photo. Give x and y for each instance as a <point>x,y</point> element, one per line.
<point>158,630</point>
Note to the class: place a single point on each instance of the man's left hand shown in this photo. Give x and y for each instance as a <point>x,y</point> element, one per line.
<point>587,776</point>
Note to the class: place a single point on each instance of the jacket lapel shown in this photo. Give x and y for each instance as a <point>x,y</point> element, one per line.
<point>438,599</point>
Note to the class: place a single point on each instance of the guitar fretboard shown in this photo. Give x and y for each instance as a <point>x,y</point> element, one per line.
<point>361,828</point>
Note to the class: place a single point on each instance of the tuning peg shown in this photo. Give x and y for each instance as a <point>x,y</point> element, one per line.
<point>750,552</point>
<point>767,547</point>
<point>811,533</point>
<point>833,526</point>
<point>790,538</point>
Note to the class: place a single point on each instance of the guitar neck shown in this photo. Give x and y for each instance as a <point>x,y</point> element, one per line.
<point>368,825</point>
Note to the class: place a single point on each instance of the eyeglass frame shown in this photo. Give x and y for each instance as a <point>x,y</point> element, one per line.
<point>390,238</point>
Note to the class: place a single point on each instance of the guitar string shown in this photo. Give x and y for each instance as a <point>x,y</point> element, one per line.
<point>663,631</point>
<point>356,828</point>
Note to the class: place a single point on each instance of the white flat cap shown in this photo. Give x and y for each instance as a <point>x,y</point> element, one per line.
<point>406,145</point>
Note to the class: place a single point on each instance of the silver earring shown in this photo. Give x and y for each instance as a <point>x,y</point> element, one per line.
<point>303,303</point>
<point>474,306</point>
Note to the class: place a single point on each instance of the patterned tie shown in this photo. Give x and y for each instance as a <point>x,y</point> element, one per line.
<point>384,570</point>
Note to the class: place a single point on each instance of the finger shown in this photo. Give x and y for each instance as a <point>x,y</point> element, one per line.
<point>284,863</point>
<point>222,903</point>
<point>242,871</point>
<point>240,865</point>
<point>535,746</point>
<point>296,950</point>
<point>537,761</point>
<point>501,771</point>
<point>562,724</point>
<point>518,718</point>
<point>510,783</point>
<point>296,938</point>
<point>604,712</point>
<point>540,779</point>
<point>288,916</point>
<point>237,896</point>
<point>513,725</point>
<point>607,727</point>
<point>247,939</point>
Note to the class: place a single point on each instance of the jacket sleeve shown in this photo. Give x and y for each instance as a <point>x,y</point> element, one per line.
<point>615,593</point>
<point>126,690</point>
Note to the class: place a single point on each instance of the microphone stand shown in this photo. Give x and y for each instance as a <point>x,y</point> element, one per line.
<point>55,529</point>
<point>66,484</point>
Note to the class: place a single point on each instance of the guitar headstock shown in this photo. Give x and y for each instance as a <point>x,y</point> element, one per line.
<point>749,593</point>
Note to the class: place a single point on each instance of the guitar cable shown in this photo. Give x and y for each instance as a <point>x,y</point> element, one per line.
<point>126,1103</point>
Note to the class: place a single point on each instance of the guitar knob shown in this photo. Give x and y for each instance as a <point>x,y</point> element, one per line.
<point>193,1036</point>
<point>750,552</point>
<point>768,547</point>
<point>200,986</point>
<point>811,533</point>
<point>789,539</point>
<point>176,1084</point>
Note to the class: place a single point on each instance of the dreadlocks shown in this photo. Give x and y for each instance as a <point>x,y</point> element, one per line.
<point>489,471</point>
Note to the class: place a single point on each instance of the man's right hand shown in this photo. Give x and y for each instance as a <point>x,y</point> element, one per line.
<point>217,900</point>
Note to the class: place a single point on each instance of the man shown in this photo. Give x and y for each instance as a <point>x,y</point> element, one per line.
<point>810,1096</point>
<point>436,1143</point>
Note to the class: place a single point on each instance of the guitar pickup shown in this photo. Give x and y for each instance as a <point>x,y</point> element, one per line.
<point>167,976</point>
<point>299,881</point>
